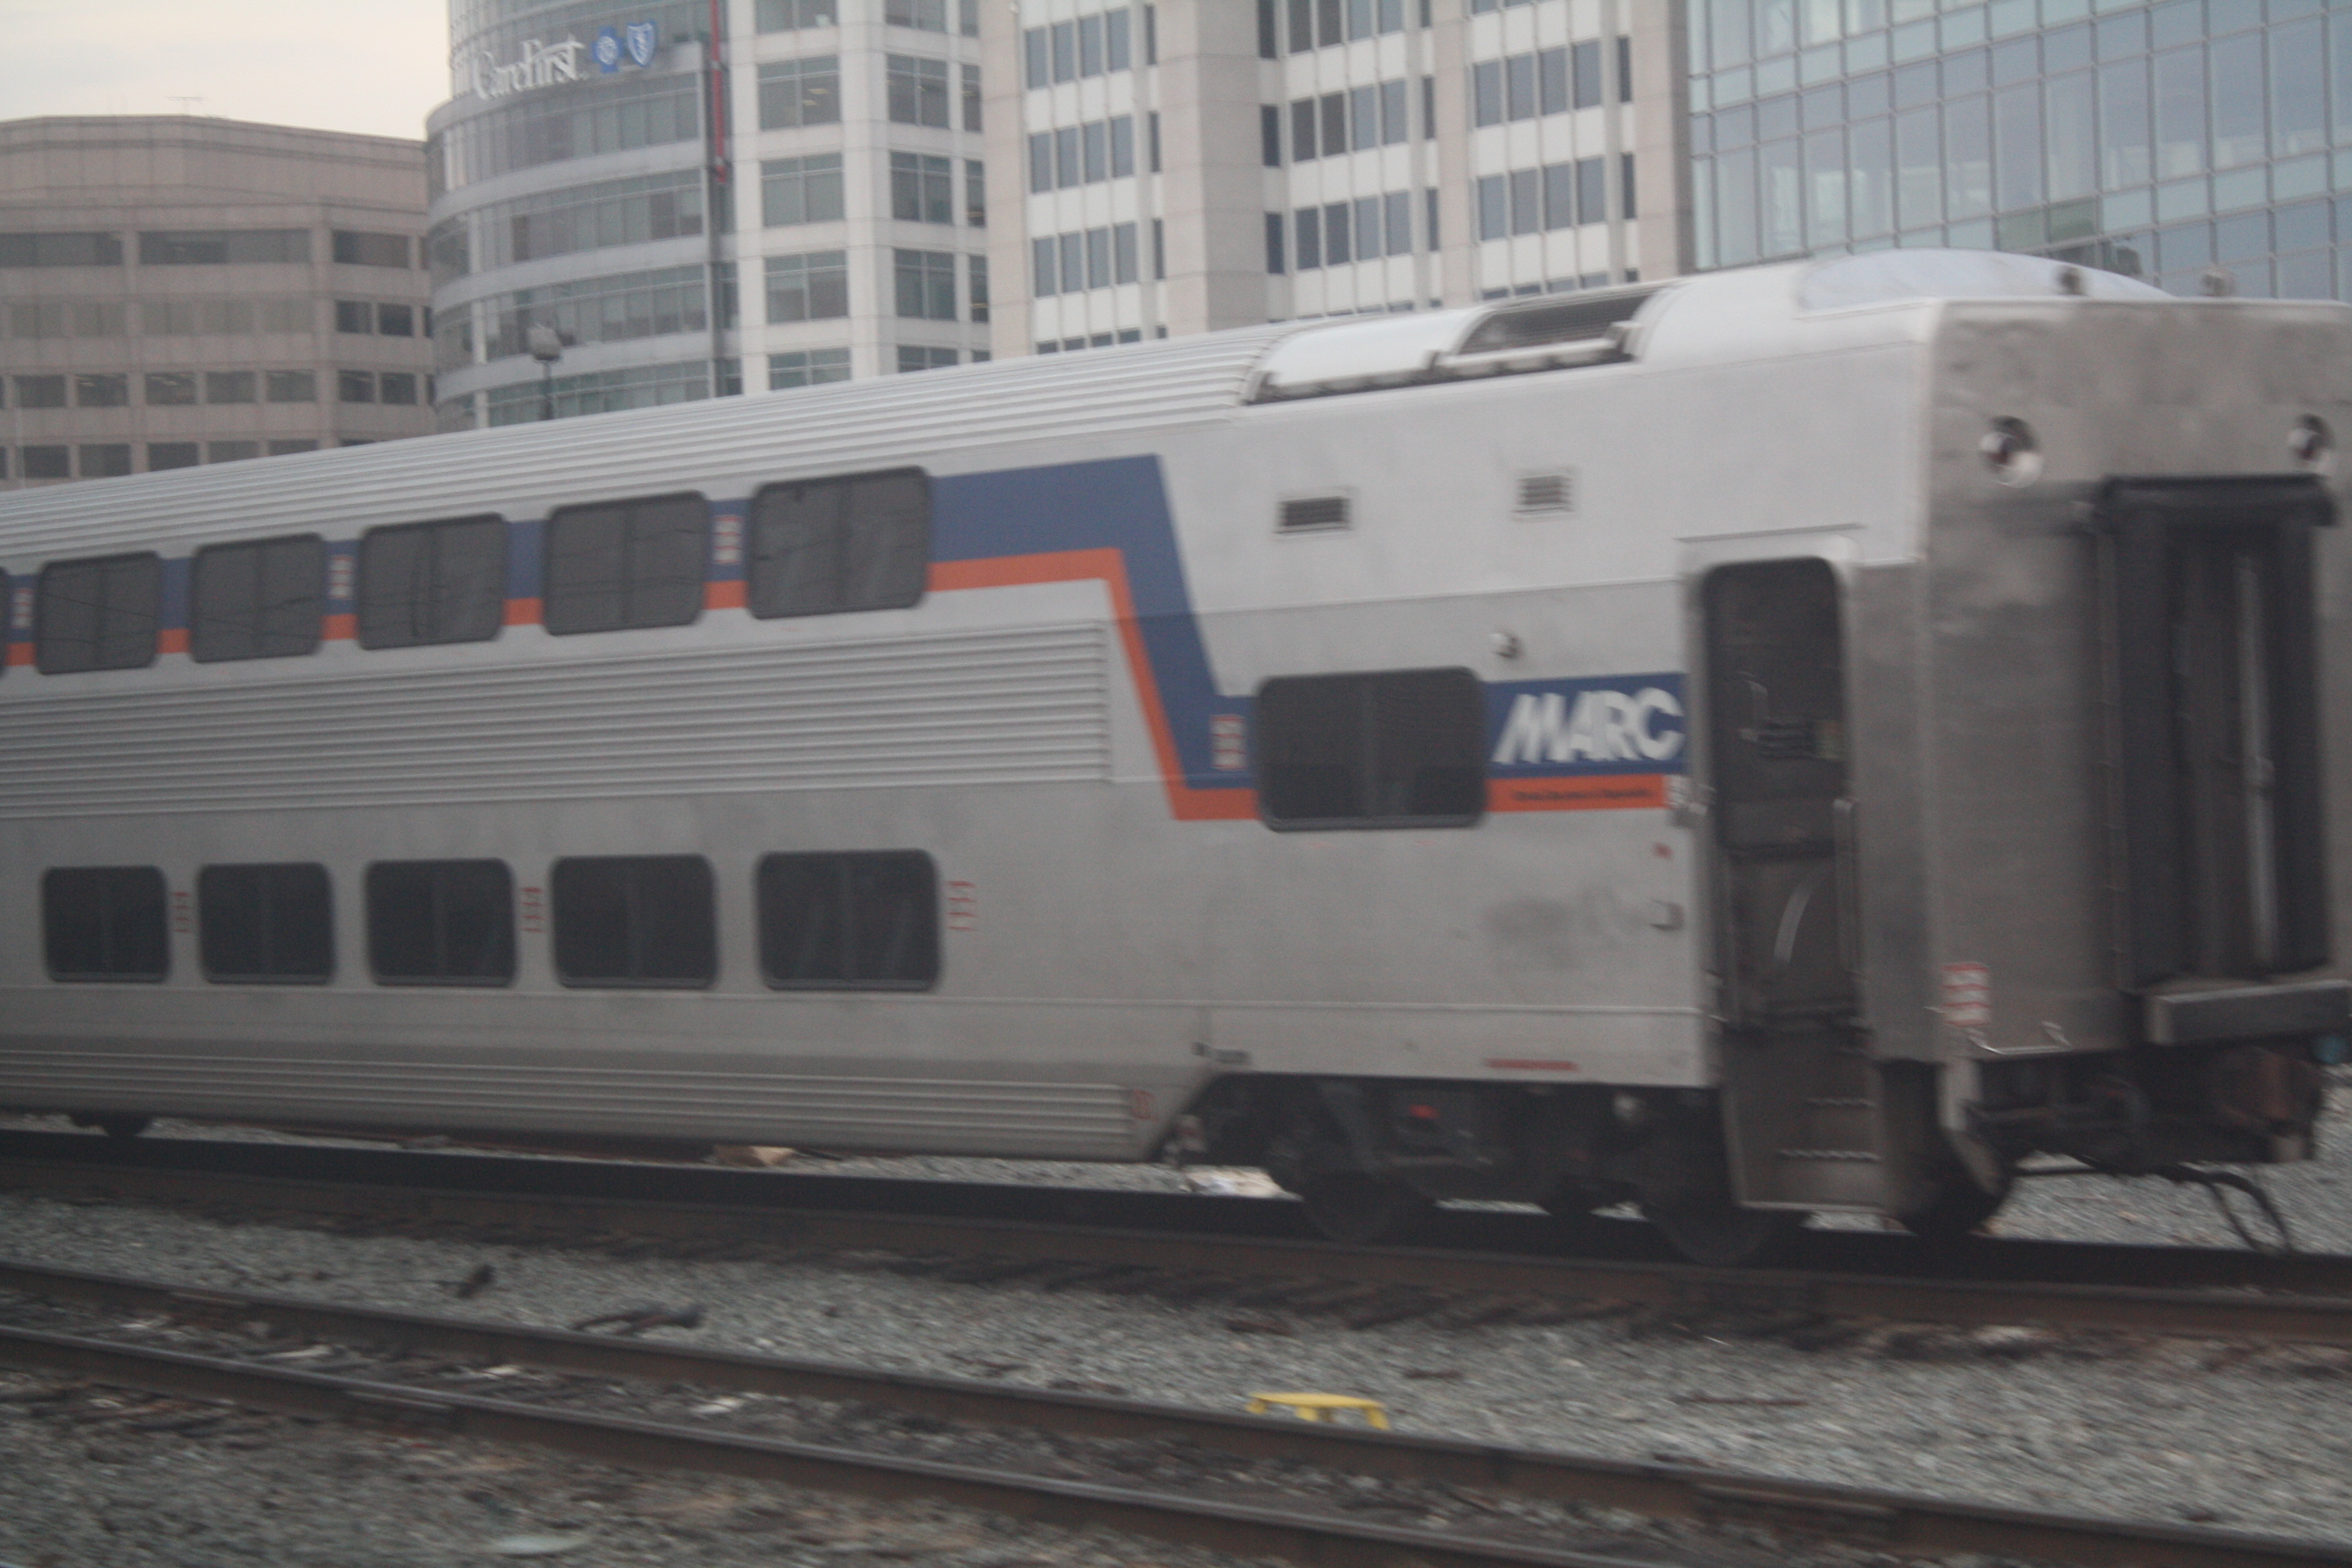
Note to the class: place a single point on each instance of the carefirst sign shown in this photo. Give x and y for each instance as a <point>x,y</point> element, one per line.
<point>539,64</point>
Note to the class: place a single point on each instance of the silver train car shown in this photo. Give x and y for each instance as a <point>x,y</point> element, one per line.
<point>1795,740</point>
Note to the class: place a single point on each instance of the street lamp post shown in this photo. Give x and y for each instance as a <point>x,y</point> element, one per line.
<point>546,346</point>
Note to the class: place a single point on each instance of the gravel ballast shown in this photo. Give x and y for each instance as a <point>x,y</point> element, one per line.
<point>2149,1429</point>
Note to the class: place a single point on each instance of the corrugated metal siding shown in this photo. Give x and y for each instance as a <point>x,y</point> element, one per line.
<point>1027,705</point>
<point>726,447</point>
<point>1042,1118</point>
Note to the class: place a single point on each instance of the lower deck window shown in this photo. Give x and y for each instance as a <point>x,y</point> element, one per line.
<point>634,919</point>
<point>441,923</point>
<point>105,922</point>
<point>850,921</point>
<point>265,924</point>
<point>1405,748</point>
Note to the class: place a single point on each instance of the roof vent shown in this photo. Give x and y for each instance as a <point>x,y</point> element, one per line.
<point>1313,514</point>
<point>1571,321</point>
<point>1548,492</point>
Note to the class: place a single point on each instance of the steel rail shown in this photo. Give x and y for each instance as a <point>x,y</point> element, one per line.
<point>2275,1318</point>
<point>1883,1521</point>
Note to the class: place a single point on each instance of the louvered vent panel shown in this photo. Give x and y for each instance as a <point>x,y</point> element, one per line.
<point>1314,512</point>
<point>1548,492</point>
<point>985,708</point>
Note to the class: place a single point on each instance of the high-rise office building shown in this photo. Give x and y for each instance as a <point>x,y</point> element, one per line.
<point>824,220</point>
<point>2193,143</point>
<point>1179,168</point>
<point>180,290</point>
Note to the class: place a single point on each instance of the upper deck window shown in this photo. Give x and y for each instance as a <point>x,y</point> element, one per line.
<point>626,563</point>
<point>100,614</point>
<point>862,541</point>
<point>266,599</point>
<point>432,581</point>
<point>1401,747</point>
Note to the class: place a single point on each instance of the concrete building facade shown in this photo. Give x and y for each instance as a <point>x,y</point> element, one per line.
<point>1179,168</point>
<point>176,289</point>
<point>811,209</point>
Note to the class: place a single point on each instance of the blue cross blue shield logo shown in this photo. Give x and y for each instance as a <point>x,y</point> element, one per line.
<point>607,51</point>
<point>643,36</point>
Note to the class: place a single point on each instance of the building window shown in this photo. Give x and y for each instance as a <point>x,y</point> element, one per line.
<point>441,923</point>
<point>613,309</point>
<point>859,543</point>
<point>101,390</point>
<point>916,356</point>
<point>800,190</point>
<point>395,320</point>
<point>105,922</point>
<point>171,388</point>
<point>931,15</point>
<point>47,462</point>
<point>354,248</point>
<point>292,386</point>
<point>99,614</point>
<point>398,386</point>
<point>1274,249</point>
<point>971,100</point>
<point>265,924</point>
<point>926,284</point>
<point>424,582</point>
<point>355,385</point>
<point>227,247</point>
<point>59,319</point>
<point>791,15</point>
<point>286,448</point>
<point>231,451</point>
<point>162,454</point>
<point>976,268</point>
<point>1394,749</point>
<point>795,93</point>
<point>60,250</point>
<point>918,91</point>
<point>626,563</point>
<point>807,367</point>
<point>228,386</point>
<point>634,920</point>
<point>923,188</point>
<point>354,316</point>
<point>105,460</point>
<point>975,193</point>
<point>258,600</point>
<point>40,390</point>
<point>810,288</point>
<point>863,922</point>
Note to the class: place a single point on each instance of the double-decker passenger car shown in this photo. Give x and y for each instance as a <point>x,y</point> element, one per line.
<point>1792,740</point>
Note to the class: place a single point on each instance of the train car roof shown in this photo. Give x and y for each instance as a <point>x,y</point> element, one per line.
<point>730,446</point>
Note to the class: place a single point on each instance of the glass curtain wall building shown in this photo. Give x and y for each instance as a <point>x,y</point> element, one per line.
<point>2191,142</point>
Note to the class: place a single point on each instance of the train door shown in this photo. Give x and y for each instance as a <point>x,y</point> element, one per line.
<point>2213,672</point>
<point>1800,1107</point>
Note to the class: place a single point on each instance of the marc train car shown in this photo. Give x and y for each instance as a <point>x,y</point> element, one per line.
<point>1794,740</point>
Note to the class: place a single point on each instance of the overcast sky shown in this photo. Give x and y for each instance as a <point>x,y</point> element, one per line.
<point>374,66</point>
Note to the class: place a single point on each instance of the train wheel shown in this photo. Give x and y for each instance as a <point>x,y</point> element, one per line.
<point>1721,1234</point>
<point>1361,1210</point>
<point>1958,1208</point>
<point>115,1126</point>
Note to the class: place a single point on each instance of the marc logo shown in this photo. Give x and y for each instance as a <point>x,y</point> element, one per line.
<point>1603,725</point>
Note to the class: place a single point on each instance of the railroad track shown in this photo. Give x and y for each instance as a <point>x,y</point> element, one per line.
<point>1794,1511</point>
<point>556,1202</point>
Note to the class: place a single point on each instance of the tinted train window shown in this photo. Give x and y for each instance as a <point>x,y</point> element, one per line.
<point>262,600</point>
<point>7,604</point>
<point>1402,748</point>
<point>862,922</point>
<point>860,542</point>
<point>626,563</point>
<point>272,924</point>
<point>97,614</point>
<point>433,583</point>
<point>634,919</point>
<point>105,922</point>
<point>441,923</point>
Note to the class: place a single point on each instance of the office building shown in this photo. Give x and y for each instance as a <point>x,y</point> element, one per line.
<point>1177,169</point>
<point>2193,143</point>
<point>182,291</point>
<point>825,221</point>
